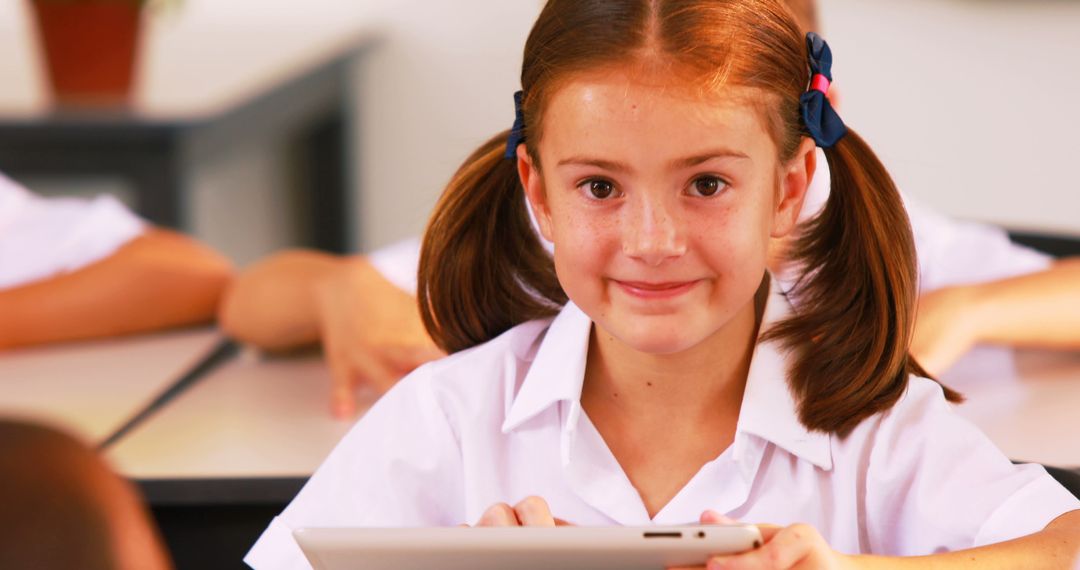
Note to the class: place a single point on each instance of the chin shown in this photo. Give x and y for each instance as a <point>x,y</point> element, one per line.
<point>657,335</point>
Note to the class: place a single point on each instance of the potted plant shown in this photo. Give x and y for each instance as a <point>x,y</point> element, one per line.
<point>90,48</point>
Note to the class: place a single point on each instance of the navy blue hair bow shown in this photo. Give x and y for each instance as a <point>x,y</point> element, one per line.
<point>820,119</point>
<point>517,132</point>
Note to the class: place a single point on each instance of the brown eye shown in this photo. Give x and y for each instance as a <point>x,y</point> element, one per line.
<point>708,186</point>
<point>601,189</point>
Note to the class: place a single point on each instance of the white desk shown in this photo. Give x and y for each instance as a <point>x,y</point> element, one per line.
<point>252,421</point>
<point>93,388</point>
<point>1028,404</point>
<point>255,428</point>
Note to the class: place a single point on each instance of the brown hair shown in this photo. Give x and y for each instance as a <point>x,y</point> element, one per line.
<point>483,269</point>
<point>806,15</point>
<point>63,508</point>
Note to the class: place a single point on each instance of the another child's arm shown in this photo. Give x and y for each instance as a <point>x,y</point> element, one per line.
<point>370,328</point>
<point>157,280</point>
<point>1039,309</point>
<point>271,304</point>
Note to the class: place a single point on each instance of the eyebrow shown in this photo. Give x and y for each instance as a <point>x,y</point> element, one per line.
<point>676,164</point>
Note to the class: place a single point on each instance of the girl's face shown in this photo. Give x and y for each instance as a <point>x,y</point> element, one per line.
<point>661,203</point>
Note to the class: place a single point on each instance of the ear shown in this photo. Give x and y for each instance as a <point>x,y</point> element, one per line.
<point>795,178</point>
<point>534,191</point>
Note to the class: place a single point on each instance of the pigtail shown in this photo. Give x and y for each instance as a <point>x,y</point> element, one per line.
<point>856,297</point>
<point>483,269</point>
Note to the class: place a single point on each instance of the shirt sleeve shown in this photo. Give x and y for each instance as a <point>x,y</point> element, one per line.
<point>44,237</point>
<point>935,483</point>
<point>398,263</point>
<point>957,252</point>
<point>400,466</point>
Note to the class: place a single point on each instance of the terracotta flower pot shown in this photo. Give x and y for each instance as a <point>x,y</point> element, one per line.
<point>90,48</point>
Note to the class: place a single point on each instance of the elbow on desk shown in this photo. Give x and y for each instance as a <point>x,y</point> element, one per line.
<point>156,281</point>
<point>271,306</point>
<point>190,278</point>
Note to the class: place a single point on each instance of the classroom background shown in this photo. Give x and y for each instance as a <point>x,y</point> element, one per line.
<point>269,124</point>
<point>430,80</point>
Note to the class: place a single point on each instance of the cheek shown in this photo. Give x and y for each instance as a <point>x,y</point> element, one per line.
<point>584,247</point>
<point>731,240</point>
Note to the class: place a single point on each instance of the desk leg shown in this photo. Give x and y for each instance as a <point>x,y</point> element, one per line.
<point>326,191</point>
<point>158,179</point>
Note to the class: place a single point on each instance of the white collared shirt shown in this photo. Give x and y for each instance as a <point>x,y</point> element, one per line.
<point>503,421</point>
<point>43,237</point>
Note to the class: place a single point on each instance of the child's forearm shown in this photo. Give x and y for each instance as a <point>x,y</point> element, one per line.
<point>1040,309</point>
<point>158,280</point>
<point>1056,546</point>
<point>272,304</point>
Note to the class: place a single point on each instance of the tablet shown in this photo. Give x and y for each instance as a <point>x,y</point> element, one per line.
<point>521,548</point>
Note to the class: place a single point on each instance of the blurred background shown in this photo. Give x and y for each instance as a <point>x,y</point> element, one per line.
<point>336,123</point>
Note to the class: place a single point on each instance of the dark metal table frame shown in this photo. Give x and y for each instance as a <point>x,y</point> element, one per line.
<point>155,157</point>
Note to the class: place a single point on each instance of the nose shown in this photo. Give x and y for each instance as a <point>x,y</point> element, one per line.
<point>653,231</point>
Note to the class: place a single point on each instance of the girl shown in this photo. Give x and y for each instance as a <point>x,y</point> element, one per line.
<point>652,371</point>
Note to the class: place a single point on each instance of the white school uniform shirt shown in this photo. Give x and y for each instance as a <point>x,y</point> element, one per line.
<point>44,237</point>
<point>503,421</point>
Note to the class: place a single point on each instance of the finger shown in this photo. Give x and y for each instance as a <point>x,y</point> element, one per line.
<point>714,517</point>
<point>768,531</point>
<point>370,368</point>
<point>534,511</point>
<point>561,522</point>
<point>500,514</point>
<point>784,548</point>
<point>382,375</point>
<point>789,546</point>
<point>407,358</point>
<point>342,394</point>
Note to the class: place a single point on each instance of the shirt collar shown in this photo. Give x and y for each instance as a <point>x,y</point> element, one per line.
<point>768,409</point>
<point>558,369</point>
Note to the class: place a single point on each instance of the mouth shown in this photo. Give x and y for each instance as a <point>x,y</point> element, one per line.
<point>649,290</point>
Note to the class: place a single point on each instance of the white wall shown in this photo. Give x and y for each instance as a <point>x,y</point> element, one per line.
<point>441,84</point>
<point>971,103</point>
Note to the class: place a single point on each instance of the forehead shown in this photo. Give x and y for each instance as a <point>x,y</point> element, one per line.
<point>651,115</point>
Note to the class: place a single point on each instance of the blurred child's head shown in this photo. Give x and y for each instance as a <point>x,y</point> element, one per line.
<point>63,508</point>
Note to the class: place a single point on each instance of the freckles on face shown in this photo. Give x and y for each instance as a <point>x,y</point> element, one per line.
<point>660,202</point>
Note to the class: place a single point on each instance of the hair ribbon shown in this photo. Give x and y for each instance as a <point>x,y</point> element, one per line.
<point>818,115</point>
<point>517,132</point>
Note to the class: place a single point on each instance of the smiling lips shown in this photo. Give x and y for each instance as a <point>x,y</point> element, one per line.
<point>646,290</point>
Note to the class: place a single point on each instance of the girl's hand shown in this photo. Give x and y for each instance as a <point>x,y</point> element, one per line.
<point>531,511</point>
<point>796,547</point>
<point>371,332</point>
<point>946,326</point>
